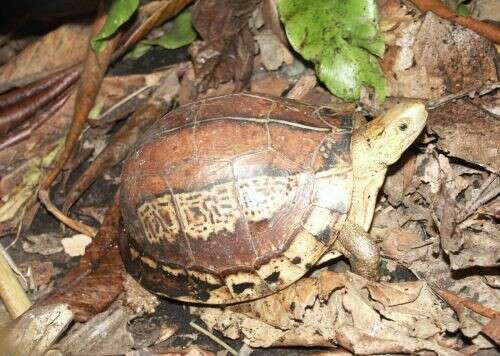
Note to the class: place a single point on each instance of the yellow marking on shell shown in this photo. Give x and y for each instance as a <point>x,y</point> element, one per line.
<point>279,273</point>
<point>217,208</point>
<point>159,220</point>
<point>319,219</point>
<point>305,249</point>
<point>149,262</point>
<point>246,285</point>
<point>134,253</point>
<point>220,295</point>
<point>206,277</point>
<point>173,271</point>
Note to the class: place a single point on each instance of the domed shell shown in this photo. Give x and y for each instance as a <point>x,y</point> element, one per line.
<point>234,197</point>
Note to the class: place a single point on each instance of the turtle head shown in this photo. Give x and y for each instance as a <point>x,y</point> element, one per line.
<point>390,134</point>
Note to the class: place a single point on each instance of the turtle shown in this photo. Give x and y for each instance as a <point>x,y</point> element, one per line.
<point>233,198</point>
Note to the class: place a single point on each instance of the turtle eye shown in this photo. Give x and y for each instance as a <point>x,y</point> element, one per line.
<point>403,126</point>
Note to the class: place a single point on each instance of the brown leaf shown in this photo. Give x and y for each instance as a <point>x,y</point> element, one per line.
<point>337,308</point>
<point>61,48</point>
<point>467,132</point>
<point>228,48</point>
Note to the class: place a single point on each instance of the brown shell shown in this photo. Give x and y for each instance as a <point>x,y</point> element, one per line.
<point>234,197</point>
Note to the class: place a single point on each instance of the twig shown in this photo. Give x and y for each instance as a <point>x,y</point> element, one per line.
<point>90,82</point>
<point>485,29</point>
<point>43,195</point>
<point>11,291</point>
<point>482,197</point>
<point>433,104</point>
<point>456,302</point>
<point>214,338</point>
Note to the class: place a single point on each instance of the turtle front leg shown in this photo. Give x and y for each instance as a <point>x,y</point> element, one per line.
<point>363,254</point>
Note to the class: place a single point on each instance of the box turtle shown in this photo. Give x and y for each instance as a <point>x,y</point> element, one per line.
<point>235,197</point>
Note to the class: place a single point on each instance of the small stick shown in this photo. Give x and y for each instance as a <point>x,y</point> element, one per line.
<point>456,302</point>
<point>214,338</point>
<point>12,293</point>
<point>485,29</point>
<point>43,195</point>
<point>94,69</point>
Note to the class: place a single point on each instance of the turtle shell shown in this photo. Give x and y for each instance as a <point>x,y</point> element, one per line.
<point>234,197</point>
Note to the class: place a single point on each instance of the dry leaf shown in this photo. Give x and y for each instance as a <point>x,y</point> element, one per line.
<point>228,51</point>
<point>337,308</point>
<point>430,57</point>
<point>467,132</point>
<point>61,48</point>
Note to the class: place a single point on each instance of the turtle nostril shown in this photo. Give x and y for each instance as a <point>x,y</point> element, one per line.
<point>403,126</point>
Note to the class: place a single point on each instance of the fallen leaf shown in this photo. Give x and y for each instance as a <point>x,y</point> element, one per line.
<point>335,308</point>
<point>55,51</point>
<point>431,57</point>
<point>44,244</point>
<point>270,84</point>
<point>467,132</point>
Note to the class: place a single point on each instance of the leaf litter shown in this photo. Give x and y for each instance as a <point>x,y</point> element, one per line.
<point>436,221</point>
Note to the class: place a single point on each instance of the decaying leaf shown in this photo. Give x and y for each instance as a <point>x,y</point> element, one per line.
<point>273,53</point>
<point>467,132</point>
<point>339,309</point>
<point>34,332</point>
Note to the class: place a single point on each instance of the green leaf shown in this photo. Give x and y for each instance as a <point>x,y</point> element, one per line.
<point>463,9</point>
<point>340,37</point>
<point>119,13</point>
<point>181,34</point>
<point>138,51</point>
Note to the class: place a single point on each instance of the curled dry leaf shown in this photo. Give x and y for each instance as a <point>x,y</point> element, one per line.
<point>340,308</point>
<point>429,57</point>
